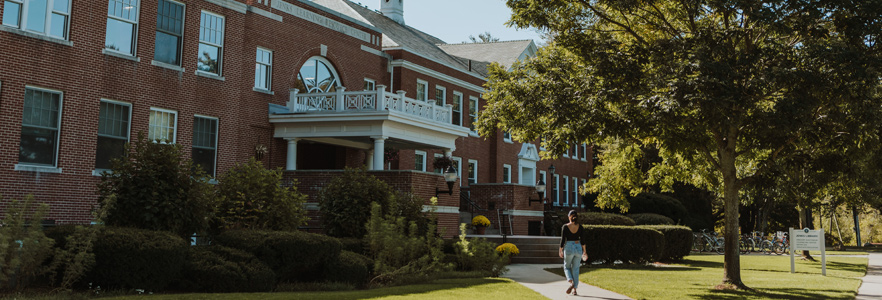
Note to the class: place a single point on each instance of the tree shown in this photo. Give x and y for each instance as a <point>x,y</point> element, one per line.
<point>723,89</point>
<point>485,37</point>
<point>252,196</point>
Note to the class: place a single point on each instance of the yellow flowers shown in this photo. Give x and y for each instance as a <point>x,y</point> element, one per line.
<point>508,248</point>
<point>480,220</point>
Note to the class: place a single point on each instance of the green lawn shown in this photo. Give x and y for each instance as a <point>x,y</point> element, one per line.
<point>453,289</point>
<point>696,276</point>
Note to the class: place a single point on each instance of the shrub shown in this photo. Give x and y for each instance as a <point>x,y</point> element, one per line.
<point>137,258</point>
<point>354,245</point>
<point>658,204</point>
<point>350,268</point>
<point>480,220</point>
<point>629,244</point>
<point>678,241</point>
<point>293,255</point>
<point>478,255</point>
<point>651,219</point>
<point>219,269</point>
<point>598,218</point>
<point>73,255</point>
<point>155,188</point>
<point>508,249</point>
<point>346,203</point>
<point>252,197</point>
<point>23,246</point>
<point>401,254</point>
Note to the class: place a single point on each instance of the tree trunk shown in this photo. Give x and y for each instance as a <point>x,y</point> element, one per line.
<point>731,185</point>
<point>804,222</point>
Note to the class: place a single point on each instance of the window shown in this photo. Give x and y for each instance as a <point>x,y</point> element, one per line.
<point>263,69</point>
<point>585,152</point>
<point>542,177</point>
<point>473,171</point>
<point>566,189</point>
<point>506,137</point>
<point>555,189</point>
<point>122,26</point>
<point>169,32</point>
<point>506,173</point>
<point>422,90</point>
<point>113,132</point>
<point>370,85</point>
<point>457,108</point>
<point>440,95</point>
<point>40,125</point>
<point>317,76</point>
<point>205,143</point>
<point>458,165</point>
<point>211,43</point>
<point>163,125</point>
<point>473,112</point>
<point>47,17</point>
<point>575,191</point>
<point>436,170</point>
<point>420,160</point>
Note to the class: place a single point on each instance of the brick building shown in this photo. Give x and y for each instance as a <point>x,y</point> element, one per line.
<point>309,86</point>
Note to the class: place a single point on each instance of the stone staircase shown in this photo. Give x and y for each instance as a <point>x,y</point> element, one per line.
<point>534,249</point>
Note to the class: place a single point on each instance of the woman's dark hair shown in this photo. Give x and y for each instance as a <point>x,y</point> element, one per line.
<point>575,216</point>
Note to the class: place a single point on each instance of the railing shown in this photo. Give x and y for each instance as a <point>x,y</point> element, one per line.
<point>379,100</point>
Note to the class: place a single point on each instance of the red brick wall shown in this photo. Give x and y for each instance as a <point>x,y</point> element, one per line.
<point>507,197</point>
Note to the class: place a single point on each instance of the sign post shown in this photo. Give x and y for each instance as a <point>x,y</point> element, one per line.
<point>806,239</point>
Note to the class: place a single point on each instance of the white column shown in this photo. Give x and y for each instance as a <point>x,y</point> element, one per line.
<point>291,162</point>
<point>448,153</point>
<point>369,157</point>
<point>379,151</point>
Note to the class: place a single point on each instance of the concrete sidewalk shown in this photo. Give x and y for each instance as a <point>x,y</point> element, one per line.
<point>871,288</point>
<point>554,286</point>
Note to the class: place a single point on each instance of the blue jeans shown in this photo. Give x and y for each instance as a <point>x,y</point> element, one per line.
<point>572,260</point>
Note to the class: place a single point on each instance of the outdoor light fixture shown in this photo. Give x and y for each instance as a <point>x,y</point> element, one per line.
<point>540,189</point>
<point>450,178</point>
<point>551,170</point>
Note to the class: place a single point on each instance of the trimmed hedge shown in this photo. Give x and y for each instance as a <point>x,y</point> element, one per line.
<point>218,269</point>
<point>678,241</point>
<point>658,204</point>
<point>137,258</point>
<point>629,244</point>
<point>651,219</point>
<point>598,218</point>
<point>351,268</point>
<point>354,245</point>
<point>293,255</point>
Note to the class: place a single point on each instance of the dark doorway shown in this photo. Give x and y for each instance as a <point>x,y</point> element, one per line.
<point>534,227</point>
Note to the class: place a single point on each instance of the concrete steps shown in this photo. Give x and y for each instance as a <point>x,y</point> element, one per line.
<point>534,249</point>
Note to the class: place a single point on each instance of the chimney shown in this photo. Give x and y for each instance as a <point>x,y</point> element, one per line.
<point>393,9</point>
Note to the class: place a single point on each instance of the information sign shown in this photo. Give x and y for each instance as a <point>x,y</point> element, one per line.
<point>811,240</point>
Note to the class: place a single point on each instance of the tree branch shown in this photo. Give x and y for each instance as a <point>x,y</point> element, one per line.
<point>607,18</point>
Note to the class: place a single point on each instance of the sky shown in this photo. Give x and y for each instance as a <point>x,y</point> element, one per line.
<point>453,21</point>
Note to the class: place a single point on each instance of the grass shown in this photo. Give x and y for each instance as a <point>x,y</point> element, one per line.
<point>453,289</point>
<point>696,276</point>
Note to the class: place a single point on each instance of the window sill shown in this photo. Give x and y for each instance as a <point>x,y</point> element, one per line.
<point>36,35</point>
<point>209,75</point>
<point>167,66</point>
<point>508,141</point>
<point>473,134</point>
<point>260,90</point>
<point>37,168</point>
<point>98,172</point>
<point>120,55</point>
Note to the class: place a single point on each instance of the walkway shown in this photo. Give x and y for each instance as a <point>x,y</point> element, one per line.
<point>552,285</point>
<point>871,288</point>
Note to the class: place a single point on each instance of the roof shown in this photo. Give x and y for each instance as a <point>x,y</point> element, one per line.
<point>457,56</point>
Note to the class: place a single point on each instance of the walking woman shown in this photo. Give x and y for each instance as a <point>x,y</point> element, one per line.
<point>572,250</point>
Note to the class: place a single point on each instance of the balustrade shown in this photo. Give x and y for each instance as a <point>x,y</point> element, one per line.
<point>362,101</point>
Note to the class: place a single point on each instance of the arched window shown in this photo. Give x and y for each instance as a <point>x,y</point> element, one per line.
<point>317,76</point>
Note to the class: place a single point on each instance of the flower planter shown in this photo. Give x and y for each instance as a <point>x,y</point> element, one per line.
<point>480,229</point>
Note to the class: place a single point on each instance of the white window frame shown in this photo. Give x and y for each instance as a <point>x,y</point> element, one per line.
<point>47,25</point>
<point>457,96</point>
<point>424,92</point>
<point>135,25</point>
<point>473,114</point>
<point>180,53</point>
<point>544,179</point>
<point>584,152</point>
<point>418,153</point>
<point>474,171</point>
<point>566,190</point>
<point>58,130</point>
<point>458,161</point>
<point>506,172</point>
<point>556,189</point>
<point>269,69</point>
<point>220,46</point>
<point>216,139</point>
<point>575,191</point>
<point>175,128</point>
<point>372,83</point>
<point>129,129</point>
<point>443,100</point>
<point>506,137</point>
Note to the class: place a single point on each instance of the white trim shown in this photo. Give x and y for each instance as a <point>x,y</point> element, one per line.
<point>376,52</point>
<point>216,138</point>
<point>174,132</point>
<point>58,130</point>
<point>180,52</point>
<point>128,129</point>
<point>167,66</point>
<point>425,91</point>
<point>506,170</point>
<point>556,190</point>
<point>269,68</point>
<point>423,153</point>
<point>455,94</point>
<point>430,72</point>
<point>233,5</point>
<point>525,213</point>
<point>36,35</point>
<point>575,191</point>
<point>474,110</point>
<point>135,29</point>
<point>458,161</point>
<point>37,168</point>
<point>372,82</point>
<point>419,53</point>
<point>442,209</point>
<point>109,52</point>
<point>584,152</point>
<point>566,190</point>
<point>474,172</point>
<point>543,176</point>
<point>323,21</point>
<point>443,100</point>
<point>506,137</point>
<point>98,172</point>
<point>220,51</point>
<point>265,13</point>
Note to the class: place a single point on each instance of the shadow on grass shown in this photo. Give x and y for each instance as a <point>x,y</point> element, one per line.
<point>775,293</point>
<point>407,290</point>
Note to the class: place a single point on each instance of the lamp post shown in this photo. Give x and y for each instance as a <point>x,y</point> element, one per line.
<point>449,177</point>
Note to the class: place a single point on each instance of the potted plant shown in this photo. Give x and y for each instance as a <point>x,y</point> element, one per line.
<point>508,250</point>
<point>442,163</point>
<point>480,222</point>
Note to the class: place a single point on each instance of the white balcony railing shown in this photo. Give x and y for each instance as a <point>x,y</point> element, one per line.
<point>363,101</point>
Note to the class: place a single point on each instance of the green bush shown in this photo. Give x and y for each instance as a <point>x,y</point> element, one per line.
<point>658,204</point>
<point>678,241</point>
<point>651,219</point>
<point>73,255</point>
<point>218,269</point>
<point>401,253</point>
<point>137,258</point>
<point>250,196</point>
<point>23,245</point>
<point>478,255</point>
<point>354,245</point>
<point>155,188</point>
<point>598,218</point>
<point>351,268</point>
<point>629,244</point>
<point>293,255</point>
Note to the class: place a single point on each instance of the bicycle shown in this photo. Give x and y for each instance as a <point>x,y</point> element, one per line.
<point>713,242</point>
<point>782,245</point>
